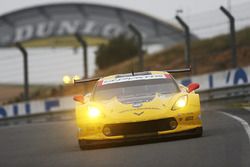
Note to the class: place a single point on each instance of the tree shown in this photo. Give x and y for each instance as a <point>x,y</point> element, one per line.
<point>118,49</point>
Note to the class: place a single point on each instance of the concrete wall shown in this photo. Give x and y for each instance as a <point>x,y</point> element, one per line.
<point>37,107</point>
<point>220,79</point>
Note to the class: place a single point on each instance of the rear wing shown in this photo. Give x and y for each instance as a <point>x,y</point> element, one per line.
<point>179,70</point>
<point>96,79</point>
<point>86,80</point>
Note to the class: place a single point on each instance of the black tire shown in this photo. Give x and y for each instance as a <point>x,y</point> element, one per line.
<point>198,132</point>
<point>82,144</point>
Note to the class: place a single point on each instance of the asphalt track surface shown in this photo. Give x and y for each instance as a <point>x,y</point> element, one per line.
<point>53,144</point>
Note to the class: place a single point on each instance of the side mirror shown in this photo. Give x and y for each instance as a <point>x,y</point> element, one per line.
<point>193,86</point>
<point>79,98</point>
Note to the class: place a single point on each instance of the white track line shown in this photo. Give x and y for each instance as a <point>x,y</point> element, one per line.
<point>242,121</point>
<point>247,108</point>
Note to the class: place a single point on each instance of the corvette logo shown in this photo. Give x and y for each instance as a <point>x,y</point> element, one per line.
<point>139,113</point>
<point>136,105</point>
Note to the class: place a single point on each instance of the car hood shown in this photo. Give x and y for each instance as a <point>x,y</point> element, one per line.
<point>138,109</point>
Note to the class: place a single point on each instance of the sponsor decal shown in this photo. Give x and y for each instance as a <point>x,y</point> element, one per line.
<point>139,109</point>
<point>60,28</point>
<point>34,107</point>
<point>135,78</point>
<point>232,77</point>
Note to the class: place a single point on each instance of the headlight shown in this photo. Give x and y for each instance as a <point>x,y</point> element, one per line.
<point>180,103</point>
<point>93,112</point>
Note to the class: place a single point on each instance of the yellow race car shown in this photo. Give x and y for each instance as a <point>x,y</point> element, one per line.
<point>135,106</point>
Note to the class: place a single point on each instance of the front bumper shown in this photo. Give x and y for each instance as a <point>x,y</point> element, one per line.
<point>196,132</point>
<point>95,131</point>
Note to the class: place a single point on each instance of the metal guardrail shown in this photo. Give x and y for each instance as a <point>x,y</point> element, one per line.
<point>237,93</point>
<point>39,118</point>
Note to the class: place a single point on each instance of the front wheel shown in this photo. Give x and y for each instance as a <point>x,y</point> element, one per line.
<point>82,144</point>
<point>198,132</point>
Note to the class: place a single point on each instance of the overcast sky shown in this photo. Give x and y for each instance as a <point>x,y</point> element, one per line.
<point>164,9</point>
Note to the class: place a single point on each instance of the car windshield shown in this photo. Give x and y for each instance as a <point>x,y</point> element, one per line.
<point>135,88</point>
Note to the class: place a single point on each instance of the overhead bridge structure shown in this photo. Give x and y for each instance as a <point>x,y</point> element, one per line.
<point>74,24</point>
<point>55,25</point>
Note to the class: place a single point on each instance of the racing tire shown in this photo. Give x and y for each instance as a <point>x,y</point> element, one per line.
<point>198,132</point>
<point>82,144</point>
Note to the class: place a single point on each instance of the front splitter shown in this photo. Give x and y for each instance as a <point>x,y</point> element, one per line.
<point>197,132</point>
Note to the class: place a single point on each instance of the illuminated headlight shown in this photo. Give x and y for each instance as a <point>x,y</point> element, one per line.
<point>94,112</point>
<point>180,103</point>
